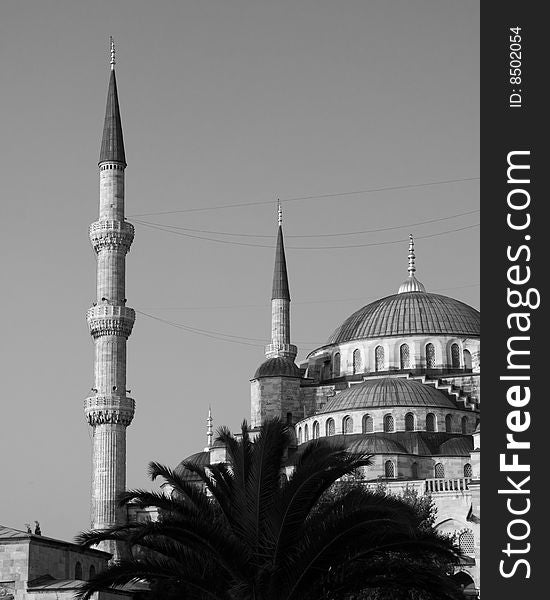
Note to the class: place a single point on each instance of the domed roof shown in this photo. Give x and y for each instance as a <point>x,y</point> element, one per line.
<point>409,313</point>
<point>457,446</point>
<point>376,445</point>
<point>388,391</point>
<point>202,459</point>
<point>277,367</point>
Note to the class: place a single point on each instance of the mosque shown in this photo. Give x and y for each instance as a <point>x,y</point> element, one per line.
<point>399,379</point>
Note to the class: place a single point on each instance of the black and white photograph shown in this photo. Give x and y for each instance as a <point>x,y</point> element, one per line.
<point>242,262</point>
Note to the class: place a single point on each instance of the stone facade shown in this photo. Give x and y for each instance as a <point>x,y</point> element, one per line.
<point>34,566</point>
<point>275,397</point>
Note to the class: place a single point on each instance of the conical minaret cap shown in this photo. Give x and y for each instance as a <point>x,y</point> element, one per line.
<point>280,288</point>
<point>112,143</point>
<point>411,284</point>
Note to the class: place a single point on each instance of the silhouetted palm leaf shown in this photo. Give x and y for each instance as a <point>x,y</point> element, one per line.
<point>258,536</point>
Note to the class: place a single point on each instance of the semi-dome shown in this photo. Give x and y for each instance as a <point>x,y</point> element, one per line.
<point>457,446</point>
<point>409,313</point>
<point>388,391</point>
<point>277,367</point>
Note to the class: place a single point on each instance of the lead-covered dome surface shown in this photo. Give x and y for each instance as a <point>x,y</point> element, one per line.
<point>409,313</point>
<point>387,391</point>
<point>277,367</point>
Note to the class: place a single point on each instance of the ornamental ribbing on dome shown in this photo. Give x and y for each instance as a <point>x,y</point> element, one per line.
<point>388,391</point>
<point>409,313</point>
<point>277,367</point>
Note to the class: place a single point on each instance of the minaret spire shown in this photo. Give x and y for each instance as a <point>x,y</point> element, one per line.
<point>112,142</point>
<point>109,410</point>
<point>280,301</point>
<point>113,54</point>
<point>209,434</point>
<point>411,284</point>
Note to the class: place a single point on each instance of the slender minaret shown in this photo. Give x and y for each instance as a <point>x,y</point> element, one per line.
<point>411,284</point>
<point>275,387</point>
<point>280,302</point>
<point>109,410</point>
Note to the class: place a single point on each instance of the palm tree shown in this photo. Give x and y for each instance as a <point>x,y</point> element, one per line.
<point>259,535</point>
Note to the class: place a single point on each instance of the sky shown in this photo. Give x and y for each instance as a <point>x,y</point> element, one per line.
<point>223,102</point>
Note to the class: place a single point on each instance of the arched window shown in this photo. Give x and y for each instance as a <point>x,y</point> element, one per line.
<point>92,572</point>
<point>439,471</point>
<point>330,429</point>
<point>289,418</point>
<point>357,361</point>
<point>467,470</point>
<point>389,424</point>
<point>315,429</point>
<point>347,425</point>
<point>379,364</point>
<point>430,356</point>
<point>336,365</point>
<point>78,571</point>
<point>306,433</point>
<point>404,356</point>
<point>449,423</point>
<point>464,424</point>
<point>466,542</point>
<point>467,359</point>
<point>389,469</point>
<point>455,356</point>
<point>368,425</point>
<point>299,435</point>
<point>430,422</point>
<point>414,470</point>
<point>409,422</point>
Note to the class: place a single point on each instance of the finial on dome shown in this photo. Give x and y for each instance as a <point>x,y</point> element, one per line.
<point>279,213</point>
<point>113,53</point>
<point>411,284</point>
<point>209,434</point>
<point>412,257</point>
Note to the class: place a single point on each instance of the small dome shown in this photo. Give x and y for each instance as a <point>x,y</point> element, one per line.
<point>409,313</point>
<point>388,391</point>
<point>457,446</point>
<point>202,459</point>
<point>277,367</point>
<point>376,445</point>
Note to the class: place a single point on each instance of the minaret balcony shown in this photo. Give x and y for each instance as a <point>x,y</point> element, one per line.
<point>106,319</point>
<point>109,410</point>
<point>111,235</point>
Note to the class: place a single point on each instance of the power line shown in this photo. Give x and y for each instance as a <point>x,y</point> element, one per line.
<point>383,243</point>
<point>313,197</point>
<point>294,302</point>
<point>225,337</point>
<point>347,233</point>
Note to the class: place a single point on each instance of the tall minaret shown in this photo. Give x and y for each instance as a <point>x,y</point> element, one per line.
<point>109,410</point>
<point>280,302</point>
<point>275,387</point>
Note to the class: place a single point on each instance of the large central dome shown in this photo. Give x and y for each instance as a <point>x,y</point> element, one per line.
<point>409,313</point>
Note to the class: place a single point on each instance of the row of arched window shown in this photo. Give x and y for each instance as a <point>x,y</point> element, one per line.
<point>78,571</point>
<point>404,359</point>
<point>439,470</point>
<point>367,425</point>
